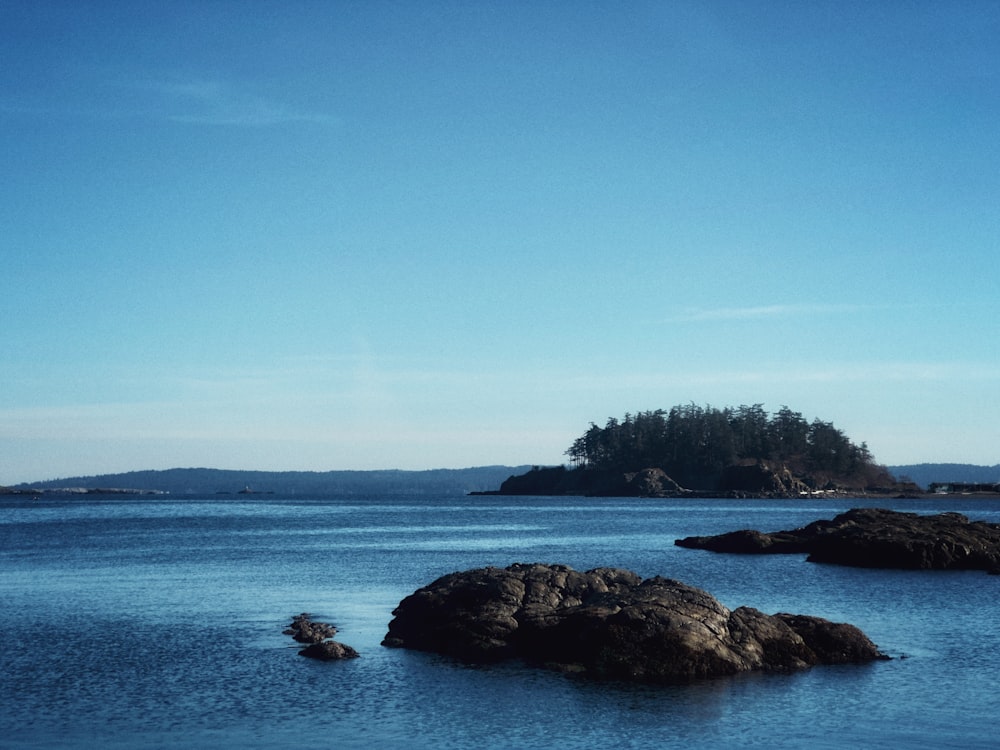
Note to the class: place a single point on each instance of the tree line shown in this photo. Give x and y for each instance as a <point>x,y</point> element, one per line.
<point>695,444</point>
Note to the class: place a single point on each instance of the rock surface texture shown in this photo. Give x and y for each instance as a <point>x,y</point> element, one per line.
<point>875,538</point>
<point>610,623</point>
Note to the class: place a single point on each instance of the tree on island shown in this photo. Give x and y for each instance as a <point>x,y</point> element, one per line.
<point>705,448</point>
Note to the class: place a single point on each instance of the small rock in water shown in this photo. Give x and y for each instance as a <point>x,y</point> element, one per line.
<point>329,651</point>
<point>304,630</point>
<point>318,635</point>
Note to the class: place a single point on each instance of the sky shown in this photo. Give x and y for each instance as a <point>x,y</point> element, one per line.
<point>414,235</point>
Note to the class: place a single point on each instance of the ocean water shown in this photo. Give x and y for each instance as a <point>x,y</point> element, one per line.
<point>136,622</point>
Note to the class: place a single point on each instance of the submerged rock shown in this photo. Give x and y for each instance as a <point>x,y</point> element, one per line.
<point>611,623</point>
<point>874,538</point>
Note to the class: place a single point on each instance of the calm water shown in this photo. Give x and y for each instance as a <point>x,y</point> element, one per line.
<point>134,622</point>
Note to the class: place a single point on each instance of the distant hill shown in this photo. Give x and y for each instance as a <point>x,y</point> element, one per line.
<point>214,481</point>
<point>924,474</point>
<point>203,481</point>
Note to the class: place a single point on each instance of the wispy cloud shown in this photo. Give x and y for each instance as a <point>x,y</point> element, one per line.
<point>216,103</point>
<point>783,376</point>
<point>181,99</point>
<point>699,314</point>
<point>212,102</point>
<point>200,101</point>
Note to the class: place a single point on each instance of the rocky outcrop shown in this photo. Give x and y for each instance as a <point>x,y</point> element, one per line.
<point>610,623</point>
<point>304,630</point>
<point>874,538</point>
<point>318,635</point>
<point>329,651</point>
<point>558,480</point>
<point>652,483</point>
<point>761,479</point>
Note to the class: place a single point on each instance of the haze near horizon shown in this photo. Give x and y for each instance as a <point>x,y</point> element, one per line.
<point>317,236</point>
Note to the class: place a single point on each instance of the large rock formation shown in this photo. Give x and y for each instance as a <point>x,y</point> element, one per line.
<point>874,538</point>
<point>611,623</point>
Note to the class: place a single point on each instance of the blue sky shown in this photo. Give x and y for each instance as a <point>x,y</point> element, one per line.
<point>319,235</point>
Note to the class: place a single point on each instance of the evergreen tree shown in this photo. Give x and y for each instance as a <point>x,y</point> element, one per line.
<point>695,444</point>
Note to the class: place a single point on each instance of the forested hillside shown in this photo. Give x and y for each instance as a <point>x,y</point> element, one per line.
<point>688,448</point>
<point>221,481</point>
<point>695,444</point>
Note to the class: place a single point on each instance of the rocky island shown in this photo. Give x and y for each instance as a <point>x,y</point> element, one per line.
<point>693,451</point>
<point>874,538</point>
<point>610,623</point>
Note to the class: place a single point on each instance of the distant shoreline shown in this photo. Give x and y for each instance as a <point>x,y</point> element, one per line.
<point>962,481</point>
<point>725,495</point>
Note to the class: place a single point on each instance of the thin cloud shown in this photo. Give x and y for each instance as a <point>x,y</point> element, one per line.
<point>876,372</point>
<point>694,315</point>
<point>194,101</point>
<point>251,113</point>
<point>203,101</point>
